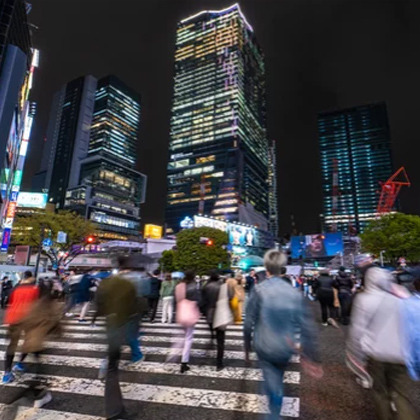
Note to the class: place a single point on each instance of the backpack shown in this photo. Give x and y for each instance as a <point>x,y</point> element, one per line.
<point>410,309</point>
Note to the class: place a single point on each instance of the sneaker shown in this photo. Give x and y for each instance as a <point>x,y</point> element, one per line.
<point>325,324</point>
<point>69,314</point>
<point>44,398</point>
<point>7,378</point>
<point>138,359</point>
<point>19,368</point>
<point>82,321</point>
<point>333,322</point>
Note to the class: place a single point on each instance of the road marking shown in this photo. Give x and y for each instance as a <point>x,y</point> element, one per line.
<point>187,397</point>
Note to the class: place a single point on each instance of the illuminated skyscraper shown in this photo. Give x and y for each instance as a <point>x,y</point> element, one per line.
<point>272,189</point>
<point>218,154</point>
<point>17,65</point>
<point>110,190</point>
<point>356,152</point>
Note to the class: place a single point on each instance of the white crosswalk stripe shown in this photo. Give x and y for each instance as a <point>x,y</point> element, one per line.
<point>71,362</point>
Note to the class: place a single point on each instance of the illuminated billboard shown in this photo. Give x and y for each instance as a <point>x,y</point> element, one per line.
<point>153,231</point>
<point>34,200</point>
<point>243,236</point>
<point>317,246</point>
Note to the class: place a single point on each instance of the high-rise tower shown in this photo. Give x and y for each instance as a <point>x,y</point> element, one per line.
<point>218,153</point>
<point>355,157</point>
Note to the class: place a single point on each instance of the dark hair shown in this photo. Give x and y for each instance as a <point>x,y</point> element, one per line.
<point>214,275</point>
<point>156,272</point>
<point>342,269</point>
<point>27,274</point>
<point>283,270</point>
<point>168,277</point>
<point>189,276</point>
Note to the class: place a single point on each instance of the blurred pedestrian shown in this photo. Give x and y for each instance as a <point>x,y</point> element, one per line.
<point>83,294</point>
<point>375,340</point>
<point>237,290</point>
<point>21,301</point>
<point>325,295</point>
<point>284,276</point>
<point>70,290</point>
<point>187,314</point>
<point>116,299</point>
<point>215,304</point>
<point>167,294</point>
<point>274,313</point>
<point>6,290</point>
<point>154,295</point>
<point>344,285</point>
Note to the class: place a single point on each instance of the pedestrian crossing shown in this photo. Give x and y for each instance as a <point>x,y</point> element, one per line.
<point>154,388</point>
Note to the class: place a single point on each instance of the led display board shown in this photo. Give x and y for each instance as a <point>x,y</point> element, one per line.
<point>317,246</point>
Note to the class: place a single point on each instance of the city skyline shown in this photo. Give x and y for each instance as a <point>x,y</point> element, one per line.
<point>298,92</point>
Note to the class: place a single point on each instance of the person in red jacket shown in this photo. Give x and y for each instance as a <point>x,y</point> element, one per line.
<point>20,303</point>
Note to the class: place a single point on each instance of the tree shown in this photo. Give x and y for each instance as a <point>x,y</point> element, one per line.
<point>29,230</point>
<point>194,254</point>
<point>397,234</point>
<point>166,262</point>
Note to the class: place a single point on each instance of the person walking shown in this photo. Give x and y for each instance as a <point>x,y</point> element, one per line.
<point>344,286</point>
<point>83,295</point>
<point>116,299</point>
<point>167,294</point>
<point>236,289</point>
<point>187,314</point>
<point>21,301</point>
<point>215,304</point>
<point>375,340</point>
<point>70,290</point>
<point>274,313</point>
<point>325,295</point>
<point>154,295</point>
<point>6,290</point>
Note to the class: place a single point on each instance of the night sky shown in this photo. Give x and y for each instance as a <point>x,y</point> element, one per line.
<point>320,55</point>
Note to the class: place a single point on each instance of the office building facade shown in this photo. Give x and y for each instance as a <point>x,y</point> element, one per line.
<point>18,61</point>
<point>356,156</point>
<point>218,153</point>
<point>272,189</point>
<point>109,190</point>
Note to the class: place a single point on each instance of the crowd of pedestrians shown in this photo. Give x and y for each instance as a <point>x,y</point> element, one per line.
<point>382,340</point>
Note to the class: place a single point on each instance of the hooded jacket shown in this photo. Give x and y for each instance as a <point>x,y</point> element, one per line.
<point>376,320</point>
<point>21,301</point>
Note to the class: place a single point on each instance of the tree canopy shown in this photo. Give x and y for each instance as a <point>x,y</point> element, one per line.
<point>397,234</point>
<point>27,230</point>
<point>191,254</point>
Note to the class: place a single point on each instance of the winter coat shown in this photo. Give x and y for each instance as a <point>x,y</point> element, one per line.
<point>117,300</point>
<point>42,320</point>
<point>376,320</point>
<point>209,298</point>
<point>275,311</point>
<point>343,283</point>
<point>154,287</point>
<point>21,300</point>
<point>324,284</point>
<point>82,293</point>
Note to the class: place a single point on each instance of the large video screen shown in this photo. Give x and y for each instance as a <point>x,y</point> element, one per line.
<point>317,246</point>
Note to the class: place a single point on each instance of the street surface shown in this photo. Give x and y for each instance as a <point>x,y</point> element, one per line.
<point>156,390</point>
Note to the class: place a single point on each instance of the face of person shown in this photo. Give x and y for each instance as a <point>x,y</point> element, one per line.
<point>316,244</point>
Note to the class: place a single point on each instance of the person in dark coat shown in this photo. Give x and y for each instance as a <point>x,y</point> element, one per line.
<point>209,298</point>
<point>154,295</point>
<point>6,291</point>
<point>325,295</point>
<point>344,284</point>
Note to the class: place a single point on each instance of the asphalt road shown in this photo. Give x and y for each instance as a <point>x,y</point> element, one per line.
<point>155,390</point>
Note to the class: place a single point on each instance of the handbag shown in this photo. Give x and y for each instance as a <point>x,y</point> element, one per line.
<point>187,313</point>
<point>223,314</point>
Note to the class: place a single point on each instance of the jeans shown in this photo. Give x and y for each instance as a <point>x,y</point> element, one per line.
<point>14,332</point>
<point>273,386</point>
<point>188,339</point>
<point>116,337</point>
<point>83,312</point>
<point>132,338</point>
<point>391,383</point>
<point>167,309</point>
<point>345,304</point>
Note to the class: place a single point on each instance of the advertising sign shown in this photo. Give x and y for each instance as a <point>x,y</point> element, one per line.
<point>242,236</point>
<point>35,200</point>
<point>61,237</point>
<point>200,221</point>
<point>153,231</point>
<point>317,246</point>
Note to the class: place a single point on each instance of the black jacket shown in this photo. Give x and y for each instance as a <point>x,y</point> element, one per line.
<point>324,284</point>
<point>343,283</point>
<point>209,298</point>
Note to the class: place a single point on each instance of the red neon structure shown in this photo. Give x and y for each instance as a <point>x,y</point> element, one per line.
<point>390,190</point>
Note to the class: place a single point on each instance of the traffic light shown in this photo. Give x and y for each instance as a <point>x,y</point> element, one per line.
<point>90,239</point>
<point>206,241</point>
<point>210,242</point>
